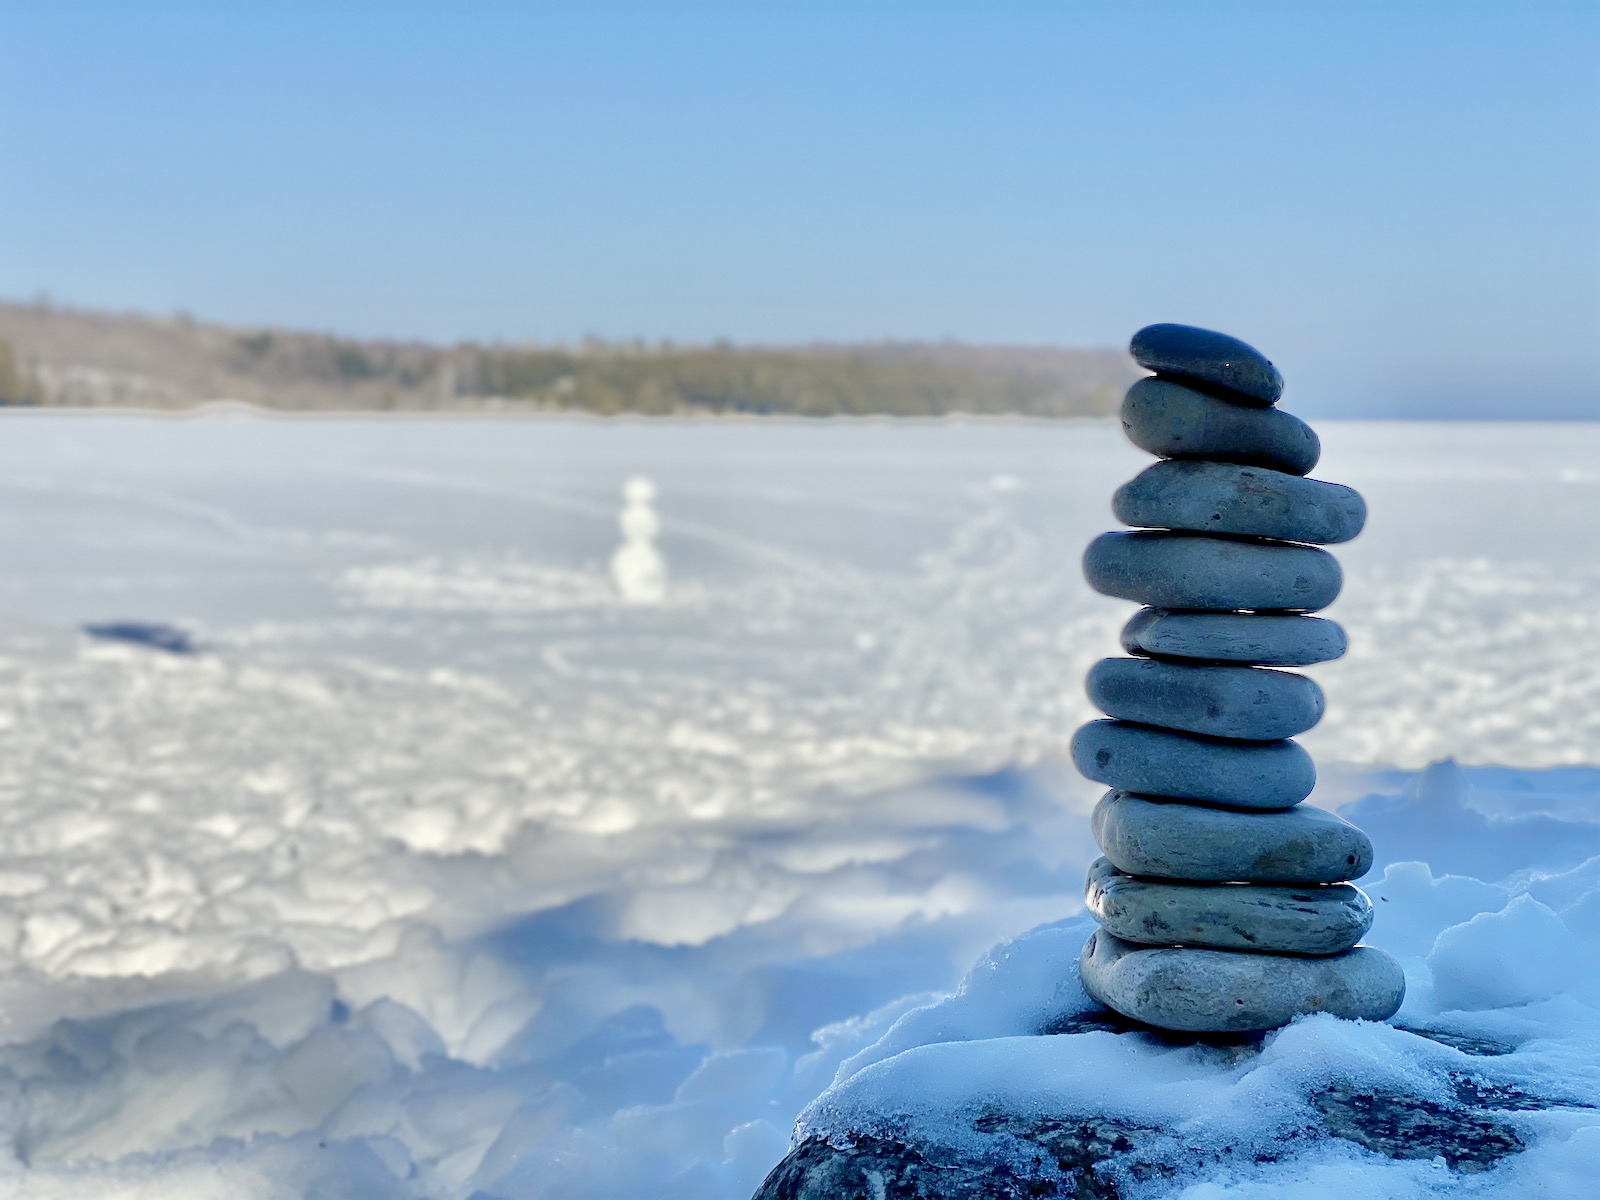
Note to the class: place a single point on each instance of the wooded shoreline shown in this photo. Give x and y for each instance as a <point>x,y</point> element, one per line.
<point>61,357</point>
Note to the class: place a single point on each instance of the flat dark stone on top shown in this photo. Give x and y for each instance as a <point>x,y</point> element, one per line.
<point>1209,358</point>
<point>1209,497</point>
<point>1193,570</point>
<point>1166,418</point>
<point>1218,701</point>
<point>1185,766</point>
<point>1261,639</point>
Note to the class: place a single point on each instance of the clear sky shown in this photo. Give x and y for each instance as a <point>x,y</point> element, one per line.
<point>1398,201</point>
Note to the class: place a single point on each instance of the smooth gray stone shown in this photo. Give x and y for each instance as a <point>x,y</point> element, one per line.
<point>1240,371</point>
<point>1261,639</point>
<point>1169,839</point>
<point>1227,916</point>
<point>1229,702</point>
<point>1161,762</point>
<point>1193,570</point>
<point>1225,991</point>
<point>1166,418</point>
<point>1211,497</point>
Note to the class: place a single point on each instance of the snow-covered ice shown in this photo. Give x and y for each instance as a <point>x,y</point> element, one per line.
<point>440,868</point>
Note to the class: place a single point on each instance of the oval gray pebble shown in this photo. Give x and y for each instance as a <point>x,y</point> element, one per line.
<point>1210,497</point>
<point>1224,991</point>
<point>1242,372</point>
<point>1166,418</point>
<point>1218,701</point>
<point>1173,840</point>
<point>1260,639</point>
<point>1192,570</point>
<point>1227,916</point>
<point>1162,762</point>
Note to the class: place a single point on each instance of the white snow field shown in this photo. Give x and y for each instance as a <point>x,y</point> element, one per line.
<point>441,867</point>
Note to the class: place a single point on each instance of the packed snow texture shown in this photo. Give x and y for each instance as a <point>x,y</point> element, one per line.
<point>443,857</point>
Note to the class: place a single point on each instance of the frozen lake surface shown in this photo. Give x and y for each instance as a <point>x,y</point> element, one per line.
<point>433,868</point>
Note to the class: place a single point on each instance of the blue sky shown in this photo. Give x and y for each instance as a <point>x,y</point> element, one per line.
<point>1399,202</point>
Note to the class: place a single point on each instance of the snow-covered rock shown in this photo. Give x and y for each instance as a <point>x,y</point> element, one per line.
<point>982,1096</point>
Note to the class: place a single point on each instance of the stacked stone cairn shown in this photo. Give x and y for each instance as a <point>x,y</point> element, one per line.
<point>1224,904</point>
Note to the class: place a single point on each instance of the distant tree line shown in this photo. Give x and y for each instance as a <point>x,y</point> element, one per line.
<point>17,385</point>
<point>801,383</point>
<point>83,358</point>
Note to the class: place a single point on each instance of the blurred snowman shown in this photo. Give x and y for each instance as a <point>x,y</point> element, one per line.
<point>637,567</point>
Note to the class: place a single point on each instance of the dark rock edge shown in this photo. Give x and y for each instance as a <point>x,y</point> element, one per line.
<point>1093,1157</point>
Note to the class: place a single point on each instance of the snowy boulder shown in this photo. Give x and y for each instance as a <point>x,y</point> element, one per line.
<point>1100,1158</point>
<point>982,1094</point>
<point>894,1169</point>
<point>1324,1107</point>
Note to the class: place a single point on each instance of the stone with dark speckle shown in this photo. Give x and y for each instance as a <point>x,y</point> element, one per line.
<point>1186,766</point>
<point>1401,1126</point>
<point>1227,916</point>
<point>1237,371</point>
<point>1218,701</point>
<point>1210,497</point>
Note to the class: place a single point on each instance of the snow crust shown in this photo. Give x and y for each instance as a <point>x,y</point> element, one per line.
<point>442,870</point>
